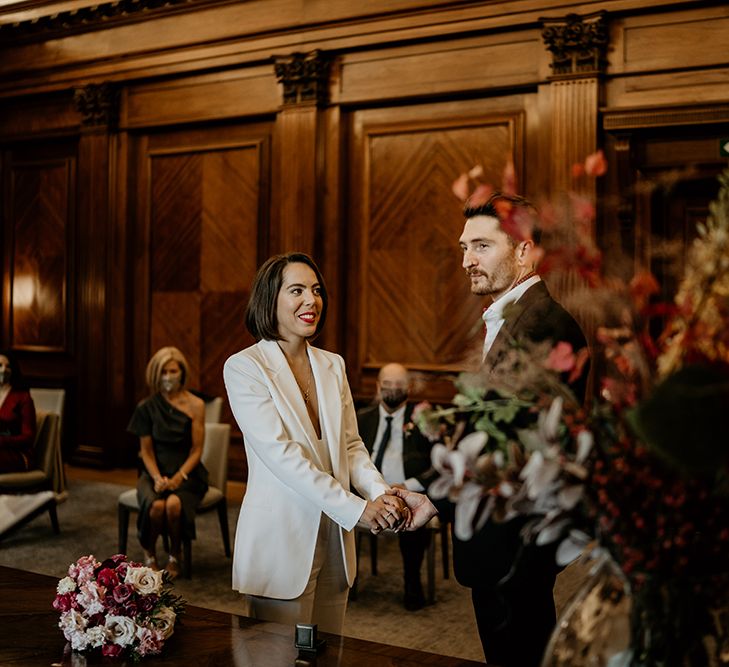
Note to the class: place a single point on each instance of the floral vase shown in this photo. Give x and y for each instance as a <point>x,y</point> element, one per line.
<point>651,623</point>
<point>679,623</point>
<point>594,628</point>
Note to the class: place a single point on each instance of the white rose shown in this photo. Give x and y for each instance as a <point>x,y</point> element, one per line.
<point>96,636</point>
<point>144,580</point>
<point>66,585</point>
<point>71,622</point>
<point>164,621</point>
<point>121,630</point>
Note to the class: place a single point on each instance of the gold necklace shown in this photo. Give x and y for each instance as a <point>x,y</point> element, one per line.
<point>305,392</point>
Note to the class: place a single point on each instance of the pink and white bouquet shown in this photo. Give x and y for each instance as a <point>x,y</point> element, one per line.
<point>118,606</point>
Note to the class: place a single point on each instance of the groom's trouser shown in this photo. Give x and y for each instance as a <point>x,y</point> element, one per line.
<point>514,626</point>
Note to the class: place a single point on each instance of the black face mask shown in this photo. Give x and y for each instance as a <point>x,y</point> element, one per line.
<point>5,376</point>
<point>393,397</point>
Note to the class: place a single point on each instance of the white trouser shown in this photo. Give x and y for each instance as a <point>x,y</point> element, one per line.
<point>324,599</point>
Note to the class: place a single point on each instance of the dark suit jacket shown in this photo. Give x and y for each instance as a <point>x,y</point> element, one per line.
<point>489,556</point>
<point>415,446</point>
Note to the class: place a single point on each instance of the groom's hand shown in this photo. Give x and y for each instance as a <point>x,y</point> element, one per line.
<point>421,509</point>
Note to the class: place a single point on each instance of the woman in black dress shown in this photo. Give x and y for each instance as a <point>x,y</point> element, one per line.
<point>170,425</point>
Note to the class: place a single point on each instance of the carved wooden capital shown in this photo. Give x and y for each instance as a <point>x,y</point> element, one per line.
<point>578,43</point>
<point>305,77</point>
<point>98,104</point>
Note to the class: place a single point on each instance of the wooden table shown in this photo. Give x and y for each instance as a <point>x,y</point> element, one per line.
<point>30,637</point>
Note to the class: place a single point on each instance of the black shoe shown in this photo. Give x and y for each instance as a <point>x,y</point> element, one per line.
<point>414,602</point>
<point>414,598</point>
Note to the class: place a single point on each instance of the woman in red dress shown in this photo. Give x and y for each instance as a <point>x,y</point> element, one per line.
<point>17,417</point>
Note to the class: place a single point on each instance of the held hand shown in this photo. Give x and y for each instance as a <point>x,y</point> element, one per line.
<point>399,505</point>
<point>160,484</point>
<point>174,482</point>
<point>380,515</point>
<point>420,506</point>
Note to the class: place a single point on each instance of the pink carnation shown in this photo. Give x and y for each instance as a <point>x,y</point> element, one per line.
<point>561,358</point>
<point>82,571</point>
<point>150,641</point>
<point>64,602</point>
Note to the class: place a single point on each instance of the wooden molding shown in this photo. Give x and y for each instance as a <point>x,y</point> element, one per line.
<point>84,19</point>
<point>305,78</point>
<point>578,44</point>
<point>98,104</point>
<point>623,119</point>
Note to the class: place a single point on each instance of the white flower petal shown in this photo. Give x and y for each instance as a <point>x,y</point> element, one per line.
<point>543,476</point>
<point>458,465</point>
<point>585,441</point>
<point>438,457</point>
<point>569,496</point>
<point>572,547</point>
<point>532,465</point>
<point>468,501</point>
<point>441,487</point>
<point>551,532</point>
<point>551,423</point>
<point>472,444</point>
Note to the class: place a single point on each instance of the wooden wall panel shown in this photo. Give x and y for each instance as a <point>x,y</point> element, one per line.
<point>414,301</point>
<point>41,195</point>
<point>470,64</point>
<point>249,91</point>
<point>204,218</point>
<point>176,321</point>
<point>230,212</point>
<point>176,216</point>
<point>202,197</point>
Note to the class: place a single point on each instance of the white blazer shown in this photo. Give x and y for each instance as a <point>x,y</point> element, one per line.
<point>288,486</point>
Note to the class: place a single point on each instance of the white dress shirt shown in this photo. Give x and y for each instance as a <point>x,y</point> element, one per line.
<point>393,469</point>
<point>493,316</point>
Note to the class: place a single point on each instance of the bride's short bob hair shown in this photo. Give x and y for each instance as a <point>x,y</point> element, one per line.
<point>260,316</point>
<point>157,363</point>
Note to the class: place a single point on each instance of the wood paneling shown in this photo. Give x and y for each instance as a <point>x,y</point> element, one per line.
<point>574,131</point>
<point>202,198</point>
<point>251,91</point>
<point>470,64</point>
<point>176,216</point>
<point>413,300</point>
<point>204,223</point>
<point>40,224</point>
<point>296,173</point>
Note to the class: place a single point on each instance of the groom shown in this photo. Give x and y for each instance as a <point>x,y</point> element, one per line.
<point>511,583</point>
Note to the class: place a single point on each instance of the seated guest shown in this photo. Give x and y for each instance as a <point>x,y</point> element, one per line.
<point>170,424</point>
<point>402,454</point>
<point>17,418</point>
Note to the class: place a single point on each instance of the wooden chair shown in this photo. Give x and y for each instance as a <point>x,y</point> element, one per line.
<point>47,473</point>
<point>215,459</point>
<point>437,528</point>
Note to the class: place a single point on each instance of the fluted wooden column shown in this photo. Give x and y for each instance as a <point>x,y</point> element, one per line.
<point>100,282</point>
<point>578,45</point>
<point>297,186</point>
